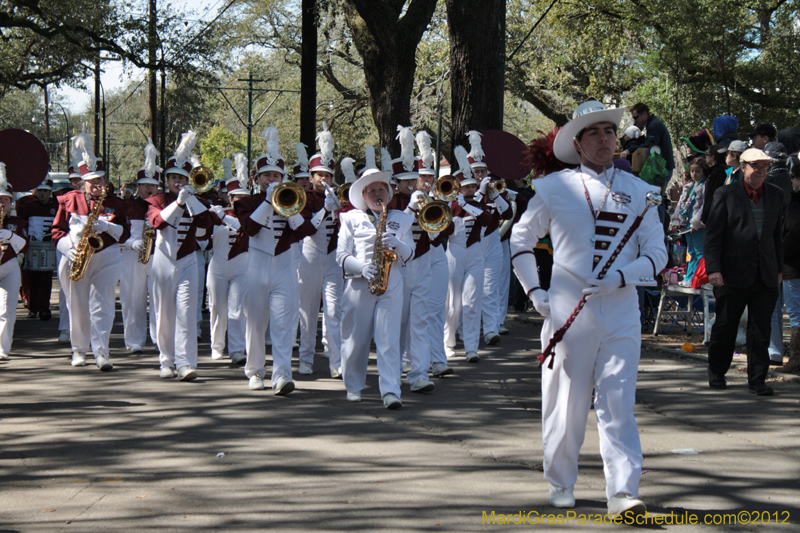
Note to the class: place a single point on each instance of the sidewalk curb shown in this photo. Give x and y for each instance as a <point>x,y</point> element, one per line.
<point>704,359</point>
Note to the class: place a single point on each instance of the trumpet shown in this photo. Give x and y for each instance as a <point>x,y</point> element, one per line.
<point>446,189</point>
<point>498,186</point>
<point>343,193</point>
<point>334,195</point>
<point>288,199</point>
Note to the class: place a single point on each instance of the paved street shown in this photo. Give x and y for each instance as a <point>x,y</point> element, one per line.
<point>82,450</point>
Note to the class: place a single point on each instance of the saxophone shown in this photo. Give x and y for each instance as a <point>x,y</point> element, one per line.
<point>2,220</point>
<point>382,258</point>
<point>148,237</point>
<point>89,243</point>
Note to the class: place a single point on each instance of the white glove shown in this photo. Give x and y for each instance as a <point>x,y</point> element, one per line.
<point>137,245</point>
<point>484,183</point>
<point>217,210</point>
<point>269,191</point>
<point>461,201</point>
<point>5,235</point>
<point>390,240</point>
<point>330,203</point>
<point>603,286</point>
<point>71,254</point>
<point>368,271</point>
<point>541,301</point>
<point>184,195</point>
<point>416,200</point>
<point>100,226</point>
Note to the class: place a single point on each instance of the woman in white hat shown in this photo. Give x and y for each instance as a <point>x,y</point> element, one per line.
<point>587,211</point>
<point>366,316</point>
<point>13,241</point>
<point>227,269</point>
<point>90,300</point>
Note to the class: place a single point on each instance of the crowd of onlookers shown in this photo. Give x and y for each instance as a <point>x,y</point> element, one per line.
<point>717,157</point>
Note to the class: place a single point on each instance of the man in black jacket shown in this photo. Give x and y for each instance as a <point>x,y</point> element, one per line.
<point>654,134</point>
<point>744,261</point>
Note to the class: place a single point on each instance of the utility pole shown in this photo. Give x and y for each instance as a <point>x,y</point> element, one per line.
<point>163,138</point>
<point>250,81</point>
<point>151,74</point>
<point>47,122</point>
<point>97,104</point>
<point>308,74</point>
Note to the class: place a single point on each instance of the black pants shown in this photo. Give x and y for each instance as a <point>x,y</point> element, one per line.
<point>760,302</point>
<point>36,288</point>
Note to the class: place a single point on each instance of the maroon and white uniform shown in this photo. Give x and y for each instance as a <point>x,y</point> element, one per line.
<point>175,279</point>
<point>37,285</point>
<point>271,286</point>
<point>466,266</point>
<point>12,245</point>
<point>91,300</point>
<point>136,283</point>
<point>320,275</point>
<point>494,263</point>
<point>225,281</point>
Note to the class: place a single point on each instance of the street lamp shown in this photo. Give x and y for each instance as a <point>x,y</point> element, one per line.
<point>68,130</point>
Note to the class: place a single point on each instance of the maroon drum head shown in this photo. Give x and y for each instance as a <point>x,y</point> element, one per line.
<point>505,155</point>
<point>26,159</point>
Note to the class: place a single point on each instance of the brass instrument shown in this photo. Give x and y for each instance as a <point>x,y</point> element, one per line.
<point>334,195</point>
<point>89,242</point>
<point>498,186</point>
<point>435,215</point>
<point>382,258</point>
<point>288,199</point>
<point>201,179</point>
<point>2,219</point>
<point>447,189</point>
<point>343,193</point>
<point>148,237</point>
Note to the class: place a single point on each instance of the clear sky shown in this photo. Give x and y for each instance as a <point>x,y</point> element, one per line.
<point>112,78</point>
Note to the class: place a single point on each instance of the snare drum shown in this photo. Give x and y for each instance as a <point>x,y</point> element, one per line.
<point>41,256</point>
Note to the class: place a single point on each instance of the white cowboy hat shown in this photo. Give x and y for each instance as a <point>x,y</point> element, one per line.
<point>586,114</point>
<point>356,192</point>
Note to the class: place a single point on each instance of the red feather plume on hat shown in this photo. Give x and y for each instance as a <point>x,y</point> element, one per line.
<point>540,156</point>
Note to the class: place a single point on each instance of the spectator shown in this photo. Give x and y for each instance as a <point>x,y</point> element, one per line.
<point>734,152</point>
<point>763,134</point>
<point>630,138</point>
<point>744,261</point>
<point>654,134</point>
<point>687,216</point>
<point>725,129</point>
<point>790,138</point>
<point>698,143</point>
<point>715,161</point>
<point>791,268</point>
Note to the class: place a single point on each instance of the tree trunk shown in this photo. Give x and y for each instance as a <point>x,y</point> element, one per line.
<point>387,43</point>
<point>477,65</point>
<point>151,74</point>
<point>308,75</point>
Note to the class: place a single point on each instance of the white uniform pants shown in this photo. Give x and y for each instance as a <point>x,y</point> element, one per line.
<point>437,303</point>
<point>175,288</point>
<point>492,278</point>
<point>225,294</point>
<point>133,299</point>
<point>415,321</point>
<point>270,298</point>
<point>91,301</point>
<point>10,279</point>
<point>464,295</point>
<point>63,312</point>
<point>201,275</point>
<point>319,275</point>
<point>365,317</point>
<point>600,350</point>
<point>505,283</point>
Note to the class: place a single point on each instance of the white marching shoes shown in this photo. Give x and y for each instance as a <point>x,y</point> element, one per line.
<point>63,336</point>
<point>491,338</point>
<point>78,359</point>
<point>391,401</point>
<point>283,386</point>
<point>305,369</point>
<point>440,369</point>
<point>103,363</point>
<point>561,497</point>
<point>353,396</point>
<point>622,503</point>
<point>187,373</point>
<point>238,358</point>
<point>422,385</point>
<point>167,372</point>
<point>256,383</point>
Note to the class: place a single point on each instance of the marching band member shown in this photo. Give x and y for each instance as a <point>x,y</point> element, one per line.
<point>415,318</point>
<point>466,266</point>
<point>227,269</point>
<point>135,275</point>
<point>491,306</point>
<point>518,205</point>
<point>364,315</point>
<point>76,182</point>
<point>591,212</point>
<point>39,214</point>
<point>90,300</point>
<point>271,286</point>
<point>13,240</point>
<point>318,273</point>
<point>176,215</point>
